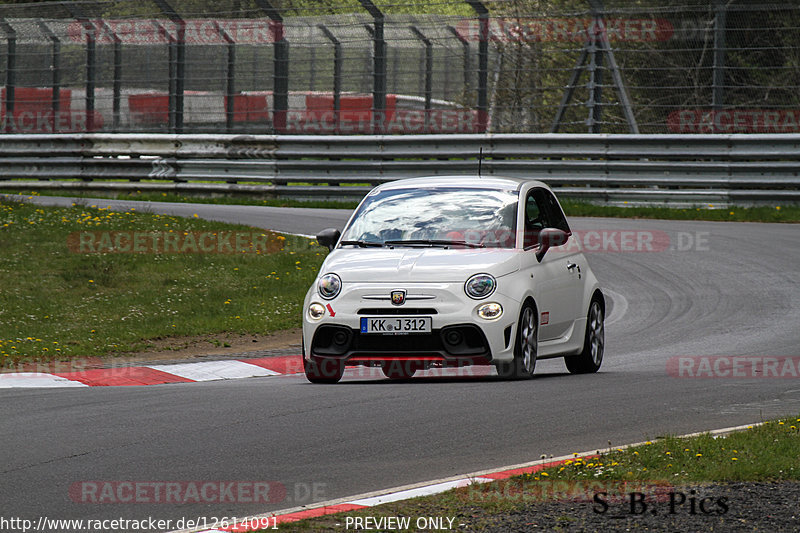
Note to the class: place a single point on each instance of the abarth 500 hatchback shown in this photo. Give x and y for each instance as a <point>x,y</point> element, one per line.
<point>453,271</point>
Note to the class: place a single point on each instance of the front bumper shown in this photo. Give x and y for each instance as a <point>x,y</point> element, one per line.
<point>459,337</point>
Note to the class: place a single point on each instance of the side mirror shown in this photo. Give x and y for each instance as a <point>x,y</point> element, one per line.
<point>548,238</point>
<point>328,237</point>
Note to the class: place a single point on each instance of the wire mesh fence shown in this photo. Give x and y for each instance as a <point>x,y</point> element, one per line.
<point>401,66</point>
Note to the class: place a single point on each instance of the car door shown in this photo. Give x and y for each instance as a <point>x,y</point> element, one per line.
<point>558,279</point>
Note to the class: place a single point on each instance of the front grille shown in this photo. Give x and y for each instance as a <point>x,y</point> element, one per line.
<point>379,311</point>
<point>396,343</point>
<point>466,340</point>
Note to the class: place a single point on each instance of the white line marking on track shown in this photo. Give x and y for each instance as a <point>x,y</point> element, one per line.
<point>620,307</point>
<point>214,370</point>
<point>419,489</point>
<point>414,493</point>
<point>35,380</point>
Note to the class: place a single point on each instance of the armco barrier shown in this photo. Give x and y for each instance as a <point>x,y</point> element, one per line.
<point>680,169</point>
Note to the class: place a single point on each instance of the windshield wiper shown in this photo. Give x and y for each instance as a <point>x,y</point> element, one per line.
<point>363,244</point>
<point>434,242</point>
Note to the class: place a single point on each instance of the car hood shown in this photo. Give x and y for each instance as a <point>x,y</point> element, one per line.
<point>418,264</point>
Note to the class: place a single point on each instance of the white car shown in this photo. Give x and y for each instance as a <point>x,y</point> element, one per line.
<point>453,271</point>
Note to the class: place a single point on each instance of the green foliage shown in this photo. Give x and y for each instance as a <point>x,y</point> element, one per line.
<point>60,301</point>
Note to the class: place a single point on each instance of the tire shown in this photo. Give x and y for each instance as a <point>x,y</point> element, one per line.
<point>526,347</point>
<point>590,359</point>
<point>399,370</point>
<point>328,373</point>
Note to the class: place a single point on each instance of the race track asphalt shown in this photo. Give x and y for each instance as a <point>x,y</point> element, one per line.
<point>732,291</point>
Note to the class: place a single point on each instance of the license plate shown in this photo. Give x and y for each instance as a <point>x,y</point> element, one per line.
<point>396,325</point>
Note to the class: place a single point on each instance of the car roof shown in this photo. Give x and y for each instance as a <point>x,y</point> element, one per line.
<point>464,181</point>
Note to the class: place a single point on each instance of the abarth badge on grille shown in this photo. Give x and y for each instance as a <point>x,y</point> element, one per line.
<point>398,297</point>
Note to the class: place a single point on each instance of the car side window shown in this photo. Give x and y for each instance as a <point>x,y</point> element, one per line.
<point>542,211</point>
<point>555,217</point>
<point>534,219</point>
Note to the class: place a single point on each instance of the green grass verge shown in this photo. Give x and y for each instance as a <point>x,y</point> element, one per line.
<point>777,213</point>
<point>768,452</point>
<point>219,200</point>
<point>58,304</point>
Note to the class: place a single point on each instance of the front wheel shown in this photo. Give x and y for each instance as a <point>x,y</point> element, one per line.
<point>327,372</point>
<point>526,347</point>
<point>590,359</point>
<point>399,370</point>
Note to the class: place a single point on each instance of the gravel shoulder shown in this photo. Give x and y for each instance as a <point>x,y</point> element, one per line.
<point>730,507</point>
<point>182,350</point>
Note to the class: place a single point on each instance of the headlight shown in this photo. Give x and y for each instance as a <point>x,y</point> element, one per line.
<point>480,286</point>
<point>329,286</point>
<point>490,311</point>
<point>315,311</point>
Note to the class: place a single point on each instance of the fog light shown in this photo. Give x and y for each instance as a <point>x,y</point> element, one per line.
<point>490,311</point>
<point>315,311</point>
<point>339,338</point>
<point>453,337</point>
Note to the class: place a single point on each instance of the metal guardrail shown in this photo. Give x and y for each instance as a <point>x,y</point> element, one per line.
<point>685,169</point>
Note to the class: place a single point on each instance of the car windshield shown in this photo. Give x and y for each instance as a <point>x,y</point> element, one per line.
<point>435,216</point>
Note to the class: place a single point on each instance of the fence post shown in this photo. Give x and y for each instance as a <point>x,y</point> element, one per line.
<point>171,76</point>
<point>483,62</point>
<point>280,83</point>
<point>11,74</point>
<point>230,85</point>
<point>718,78</point>
<point>56,83</point>
<point>89,31</point>
<point>117,82</point>
<point>378,67</point>
<point>337,74</point>
<point>428,75</point>
<point>179,73</point>
<point>595,68</point>
<point>465,44</point>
